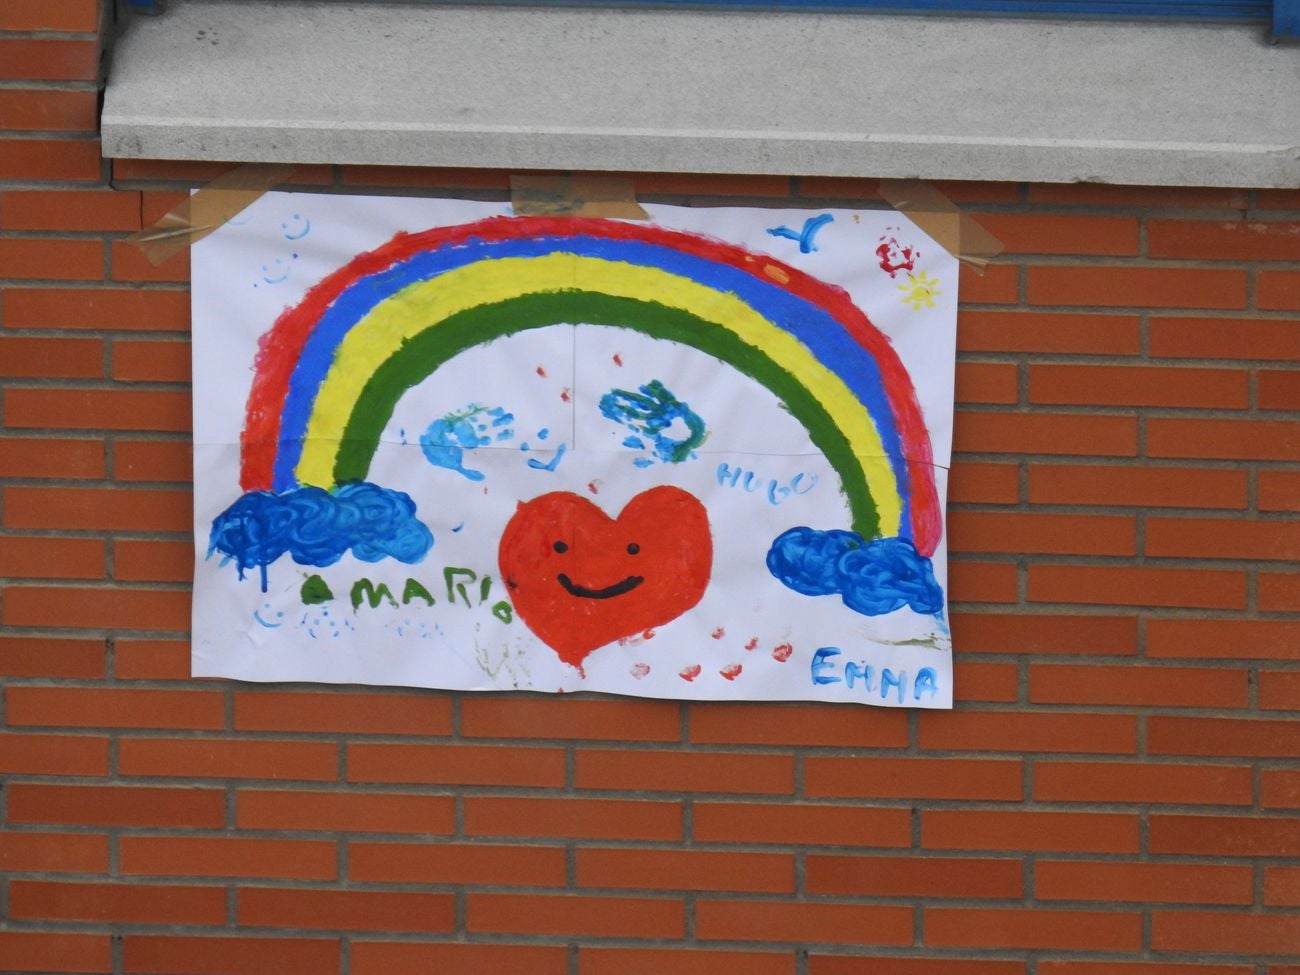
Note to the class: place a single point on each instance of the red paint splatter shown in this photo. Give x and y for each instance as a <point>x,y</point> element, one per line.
<point>564,394</point>
<point>718,634</point>
<point>640,670</point>
<point>593,487</point>
<point>895,257</point>
<point>647,634</point>
<point>752,643</point>
<point>541,372</point>
<point>618,359</point>
<point>782,653</point>
<point>732,671</point>
<point>689,673</point>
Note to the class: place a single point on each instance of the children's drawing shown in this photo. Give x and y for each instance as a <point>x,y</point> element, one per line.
<point>670,458</point>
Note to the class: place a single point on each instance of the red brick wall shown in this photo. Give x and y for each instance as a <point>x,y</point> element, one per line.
<point>1116,792</point>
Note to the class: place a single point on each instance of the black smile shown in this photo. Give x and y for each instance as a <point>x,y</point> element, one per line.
<point>617,589</point>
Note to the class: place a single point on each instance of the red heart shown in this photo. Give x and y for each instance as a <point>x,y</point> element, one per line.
<point>581,579</point>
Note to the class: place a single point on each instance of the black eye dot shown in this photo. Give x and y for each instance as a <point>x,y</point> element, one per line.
<point>633,548</point>
<point>560,547</point>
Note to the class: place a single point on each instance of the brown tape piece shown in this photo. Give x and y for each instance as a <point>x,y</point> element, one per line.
<point>575,196</point>
<point>956,231</point>
<point>209,208</point>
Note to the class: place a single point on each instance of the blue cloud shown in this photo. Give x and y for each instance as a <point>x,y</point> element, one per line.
<point>317,527</point>
<point>873,578</point>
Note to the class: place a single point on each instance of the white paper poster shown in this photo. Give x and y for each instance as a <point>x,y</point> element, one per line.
<point>702,456</point>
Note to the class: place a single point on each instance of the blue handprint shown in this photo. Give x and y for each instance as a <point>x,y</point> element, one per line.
<point>653,413</point>
<point>446,440</point>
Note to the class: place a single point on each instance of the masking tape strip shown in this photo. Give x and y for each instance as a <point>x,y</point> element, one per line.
<point>209,208</point>
<point>575,196</point>
<point>956,231</point>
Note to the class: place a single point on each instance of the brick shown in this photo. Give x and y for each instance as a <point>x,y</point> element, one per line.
<point>1171,386</point>
<point>128,263</point>
<point>1046,634</point>
<point>686,870</point>
<point>403,713</point>
<point>979,483</point>
<point>1223,338</point>
<point>96,805</point>
<point>1039,233</point>
<point>1137,586</point>
<point>98,509</point>
<point>1142,883</point>
<point>1013,533</point>
<point>1223,538</point>
<point>344,812</point>
<point>31,59</point>
<point>116,903</point>
<point>153,460</point>
<point>465,864</point>
<point>152,660</point>
<point>1277,291</point>
<point>982,829</point>
<point>50,358</point>
<point>1114,967</point>
<point>593,960</point>
<point>47,110</point>
<point>1282,886</point>
<point>1230,639</point>
<point>1277,199</point>
<point>1137,487</point>
<point>1224,240</point>
<point>56,951</point>
<point>1107,195</point>
<point>196,172</point>
<point>114,707</point>
<point>156,204</point>
<point>1279,690</point>
<point>119,309</point>
<point>155,954</point>
<point>1280,789</point>
<point>1137,287</point>
<point>877,777</point>
<point>141,361</point>
<point>1045,433</point>
<point>500,765</point>
<point>53,852</point>
<point>1224,439</point>
<point>1035,731</point>
<point>914,876</point>
<point>1129,685</point>
<point>991,682</point>
<point>52,558</point>
<point>664,771</point>
<point>858,965</point>
<point>800,824</point>
<point>1142,782</point>
<point>226,856</point>
<point>1048,332</point>
<point>1279,490</point>
<point>710,184</point>
<point>1224,836</point>
<point>732,723</point>
<point>68,15</point>
<point>43,457</point>
<point>23,754</point>
<point>346,910</point>
<point>801,924</point>
<point>1279,390</point>
<point>242,758</point>
<point>422,176</point>
<point>575,915</point>
<point>978,191</point>
<point>1224,931</point>
<point>51,259</point>
<point>155,560</point>
<point>998,285</point>
<point>1042,928</point>
<point>455,958</point>
<point>98,409</point>
<point>987,382</point>
<point>572,818</point>
<point>22,656</point>
<point>1246,737</point>
<point>74,160</point>
<point>565,717</point>
<point>983,582</point>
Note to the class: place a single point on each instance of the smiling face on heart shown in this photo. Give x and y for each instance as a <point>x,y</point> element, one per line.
<point>581,579</point>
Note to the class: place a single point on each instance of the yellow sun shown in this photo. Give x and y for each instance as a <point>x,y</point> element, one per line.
<point>920,290</point>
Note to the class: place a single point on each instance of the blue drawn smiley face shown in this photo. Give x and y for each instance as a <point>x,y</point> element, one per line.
<point>278,270</point>
<point>296,227</point>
